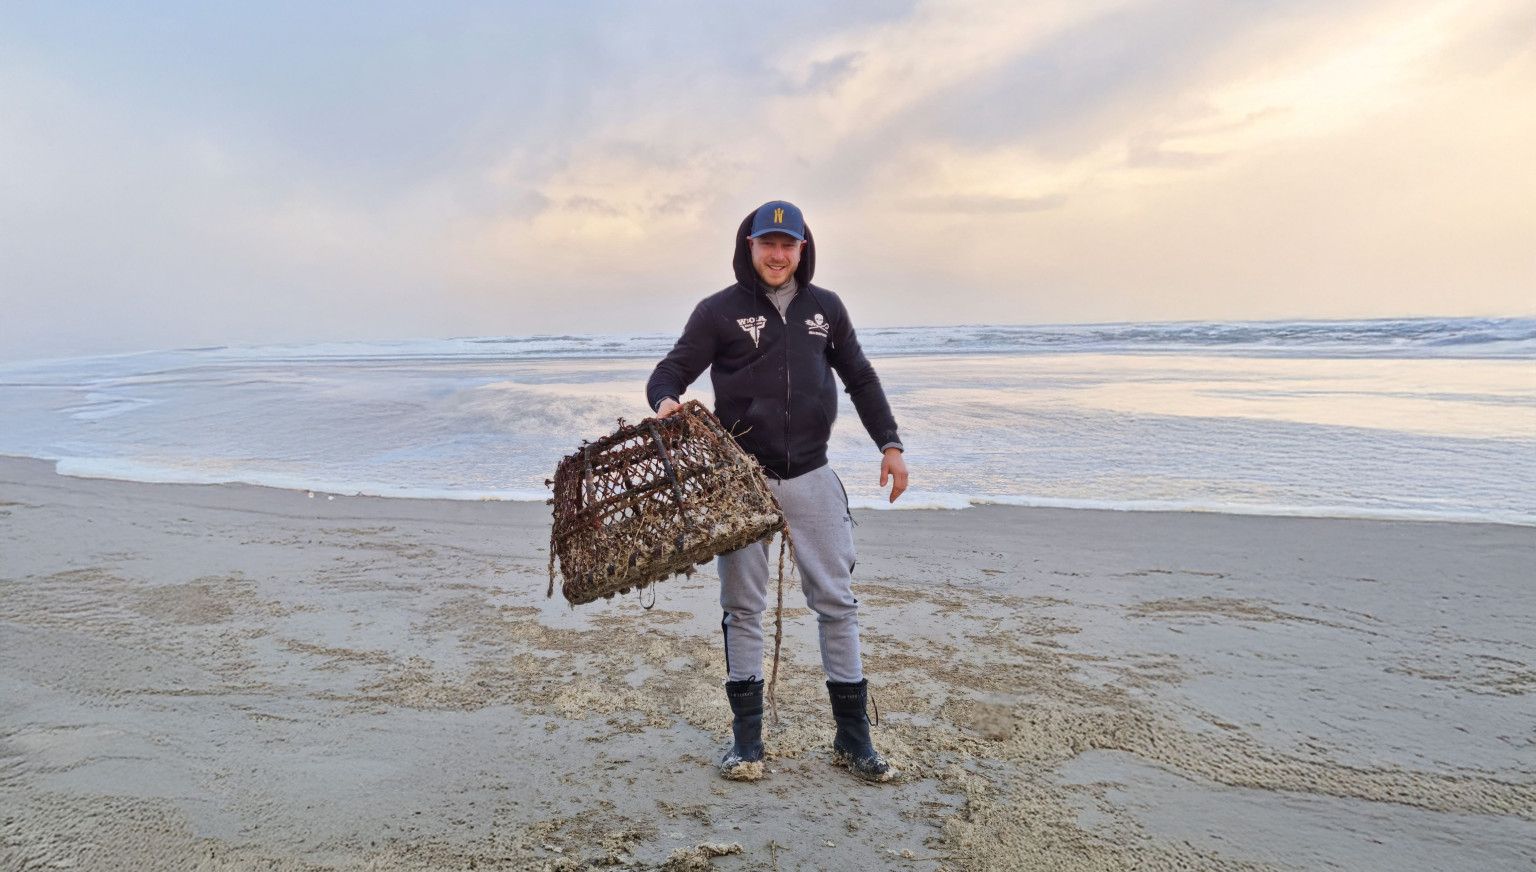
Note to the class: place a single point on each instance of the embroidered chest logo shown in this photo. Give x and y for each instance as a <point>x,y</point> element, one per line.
<point>817,326</point>
<point>754,327</point>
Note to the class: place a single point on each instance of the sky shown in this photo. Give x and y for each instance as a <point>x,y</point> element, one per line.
<point>187,174</point>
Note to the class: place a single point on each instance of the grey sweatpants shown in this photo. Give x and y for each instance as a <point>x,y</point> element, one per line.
<point>822,531</point>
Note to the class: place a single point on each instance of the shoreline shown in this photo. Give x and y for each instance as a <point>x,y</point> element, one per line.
<point>236,677</point>
<point>936,501</point>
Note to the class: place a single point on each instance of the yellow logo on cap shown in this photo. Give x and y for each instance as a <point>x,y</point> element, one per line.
<point>778,216</point>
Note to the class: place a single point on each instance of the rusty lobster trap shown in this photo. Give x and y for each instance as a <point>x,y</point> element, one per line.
<point>652,500</point>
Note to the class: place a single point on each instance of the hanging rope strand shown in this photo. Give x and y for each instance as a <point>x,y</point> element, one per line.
<point>786,544</point>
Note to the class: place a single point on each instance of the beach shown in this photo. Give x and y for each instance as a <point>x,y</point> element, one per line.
<point>201,676</point>
<point>1176,363</point>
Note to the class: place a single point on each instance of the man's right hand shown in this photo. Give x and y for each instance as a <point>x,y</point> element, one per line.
<point>667,407</point>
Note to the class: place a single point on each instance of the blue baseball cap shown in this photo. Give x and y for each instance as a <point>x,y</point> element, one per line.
<point>778,216</point>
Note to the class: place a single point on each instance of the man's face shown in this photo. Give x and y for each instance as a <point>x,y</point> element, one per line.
<point>775,257</point>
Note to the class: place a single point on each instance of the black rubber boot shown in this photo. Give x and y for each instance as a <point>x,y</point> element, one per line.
<point>852,746</point>
<point>744,762</point>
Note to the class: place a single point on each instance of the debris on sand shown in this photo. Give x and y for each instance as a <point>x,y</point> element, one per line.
<point>698,857</point>
<point>743,771</point>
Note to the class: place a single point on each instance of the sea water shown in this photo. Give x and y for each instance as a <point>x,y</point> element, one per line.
<point>1411,418</point>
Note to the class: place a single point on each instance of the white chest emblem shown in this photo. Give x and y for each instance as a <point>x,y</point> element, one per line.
<point>817,326</point>
<point>754,327</point>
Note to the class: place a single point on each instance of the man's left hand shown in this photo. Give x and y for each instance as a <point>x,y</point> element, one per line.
<point>894,469</point>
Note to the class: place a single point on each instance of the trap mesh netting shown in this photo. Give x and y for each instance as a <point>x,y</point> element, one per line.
<point>652,500</point>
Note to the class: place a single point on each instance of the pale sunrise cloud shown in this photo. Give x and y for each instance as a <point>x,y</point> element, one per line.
<point>620,193</point>
<point>896,65</point>
<point>1125,159</point>
<point>1375,65</point>
<point>1273,182</point>
<point>1322,88</point>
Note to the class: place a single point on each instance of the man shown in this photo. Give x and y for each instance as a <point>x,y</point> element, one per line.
<point>772,341</point>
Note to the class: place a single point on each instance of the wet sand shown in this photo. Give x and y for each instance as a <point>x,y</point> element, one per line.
<point>234,677</point>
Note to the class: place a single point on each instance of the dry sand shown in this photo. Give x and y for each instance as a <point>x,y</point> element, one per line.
<point>233,677</point>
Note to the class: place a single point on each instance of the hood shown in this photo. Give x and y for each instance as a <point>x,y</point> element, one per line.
<point>742,261</point>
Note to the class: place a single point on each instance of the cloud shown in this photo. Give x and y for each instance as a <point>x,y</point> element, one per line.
<point>983,205</point>
<point>479,170</point>
<point>828,75</point>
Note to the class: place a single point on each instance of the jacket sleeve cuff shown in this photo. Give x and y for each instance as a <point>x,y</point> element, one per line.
<point>895,445</point>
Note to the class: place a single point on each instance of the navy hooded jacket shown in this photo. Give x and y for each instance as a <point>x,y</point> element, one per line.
<point>772,374</point>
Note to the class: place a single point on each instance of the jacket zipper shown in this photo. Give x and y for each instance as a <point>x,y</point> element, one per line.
<point>784,316</point>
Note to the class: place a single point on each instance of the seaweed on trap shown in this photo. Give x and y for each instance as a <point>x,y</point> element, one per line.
<point>652,500</point>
